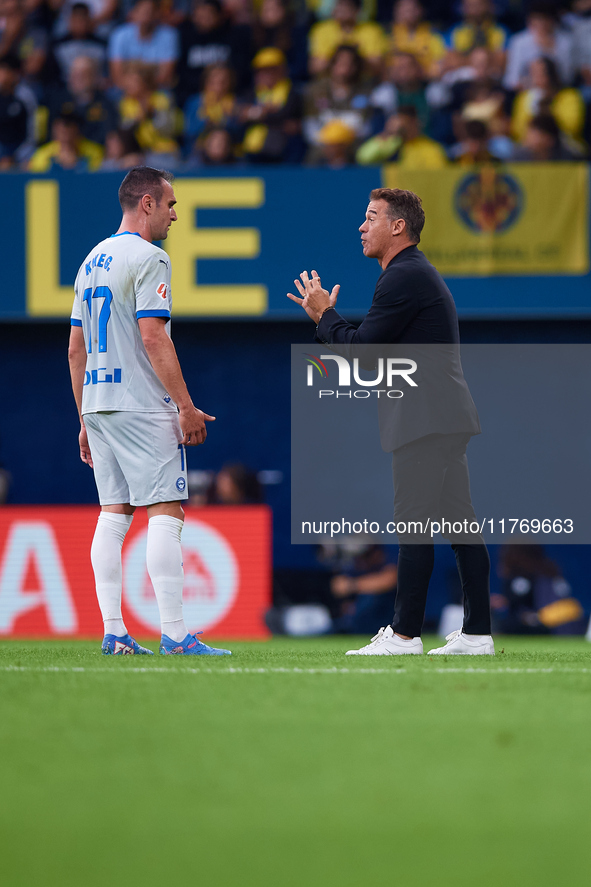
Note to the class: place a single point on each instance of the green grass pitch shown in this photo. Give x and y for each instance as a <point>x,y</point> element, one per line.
<point>293,766</point>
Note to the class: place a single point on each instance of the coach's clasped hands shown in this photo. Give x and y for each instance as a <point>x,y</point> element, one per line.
<point>315,300</point>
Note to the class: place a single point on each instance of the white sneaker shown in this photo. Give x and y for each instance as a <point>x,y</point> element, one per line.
<point>460,644</point>
<point>386,643</point>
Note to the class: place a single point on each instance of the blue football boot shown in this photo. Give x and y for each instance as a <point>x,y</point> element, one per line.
<point>124,646</point>
<point>190,646</point>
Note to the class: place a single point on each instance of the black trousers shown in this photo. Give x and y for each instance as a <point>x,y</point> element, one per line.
<point>431,483</point>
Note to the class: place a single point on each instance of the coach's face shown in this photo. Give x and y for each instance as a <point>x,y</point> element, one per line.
<point>163,213</point>
<point>379,230</point>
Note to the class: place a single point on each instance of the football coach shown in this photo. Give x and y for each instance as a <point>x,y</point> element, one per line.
<point>412,306</point>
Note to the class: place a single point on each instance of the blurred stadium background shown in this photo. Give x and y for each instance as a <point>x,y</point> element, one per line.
<point>285,764</point>
<point>277,135</point>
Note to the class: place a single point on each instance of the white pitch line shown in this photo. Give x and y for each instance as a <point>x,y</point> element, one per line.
<point>202,670</point>
<point>270,670</point>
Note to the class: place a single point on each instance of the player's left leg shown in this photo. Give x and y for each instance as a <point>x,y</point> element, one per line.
<point>164,560</point>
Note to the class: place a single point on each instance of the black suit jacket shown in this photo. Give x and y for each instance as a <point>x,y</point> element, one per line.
<point>412,307</point>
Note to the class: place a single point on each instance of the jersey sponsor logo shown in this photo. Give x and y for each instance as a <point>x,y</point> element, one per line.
<point>161,290</point>
<point>181,484</point>
<point>92,377</point>
<point>211,581</point>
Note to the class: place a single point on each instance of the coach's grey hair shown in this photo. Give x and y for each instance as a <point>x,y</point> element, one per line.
<point>139,181</point>
<point>403,205</point>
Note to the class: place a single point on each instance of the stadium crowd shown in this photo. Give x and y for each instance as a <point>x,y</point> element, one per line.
<point>110,84</point>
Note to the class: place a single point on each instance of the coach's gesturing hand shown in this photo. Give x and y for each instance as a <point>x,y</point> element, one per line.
<point>315,300</point>
<point>193,425</point>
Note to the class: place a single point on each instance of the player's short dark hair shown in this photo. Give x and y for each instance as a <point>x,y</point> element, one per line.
<point>403,205</point>
<point>142,180</point>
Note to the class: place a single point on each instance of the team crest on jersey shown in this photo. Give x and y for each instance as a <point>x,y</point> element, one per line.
<point>181,484</point>
<point>161,290</point>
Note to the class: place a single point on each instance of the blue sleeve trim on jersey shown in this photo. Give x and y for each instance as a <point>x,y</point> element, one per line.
<point>74,322</point>
<point>153,313</point>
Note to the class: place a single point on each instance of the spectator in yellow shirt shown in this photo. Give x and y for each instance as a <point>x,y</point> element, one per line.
<point>67,149</point>
<point>149,112</point>
<point>401,142</point>
<point>342,95</point>
<point>477,28</point>
<point>216,105</point>
<point>272,111</point>
<point>544,96</point>
<point>411,34</point>
<point>344,30</point>
<point>336,141</point>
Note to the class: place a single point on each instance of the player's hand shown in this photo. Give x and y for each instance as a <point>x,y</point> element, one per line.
<point>315,300</point>
<point>84,447</point>
<point>193,426</point>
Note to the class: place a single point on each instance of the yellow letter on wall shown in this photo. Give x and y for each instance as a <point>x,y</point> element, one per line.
<point>45,296</point>
<point>186,243</point>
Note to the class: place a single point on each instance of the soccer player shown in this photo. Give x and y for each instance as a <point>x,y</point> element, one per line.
<point>136,415</point>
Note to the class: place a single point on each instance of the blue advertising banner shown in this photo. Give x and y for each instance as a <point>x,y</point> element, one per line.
<point>240,240</point>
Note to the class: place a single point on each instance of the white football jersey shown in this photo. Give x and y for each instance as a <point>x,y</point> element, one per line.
<point>122,279</point>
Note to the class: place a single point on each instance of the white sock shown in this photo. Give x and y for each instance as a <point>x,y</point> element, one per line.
<point>164,560</point>
<point>105,555</point>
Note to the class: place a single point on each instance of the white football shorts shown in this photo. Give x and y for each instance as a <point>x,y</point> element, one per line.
<point>138,457</point>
